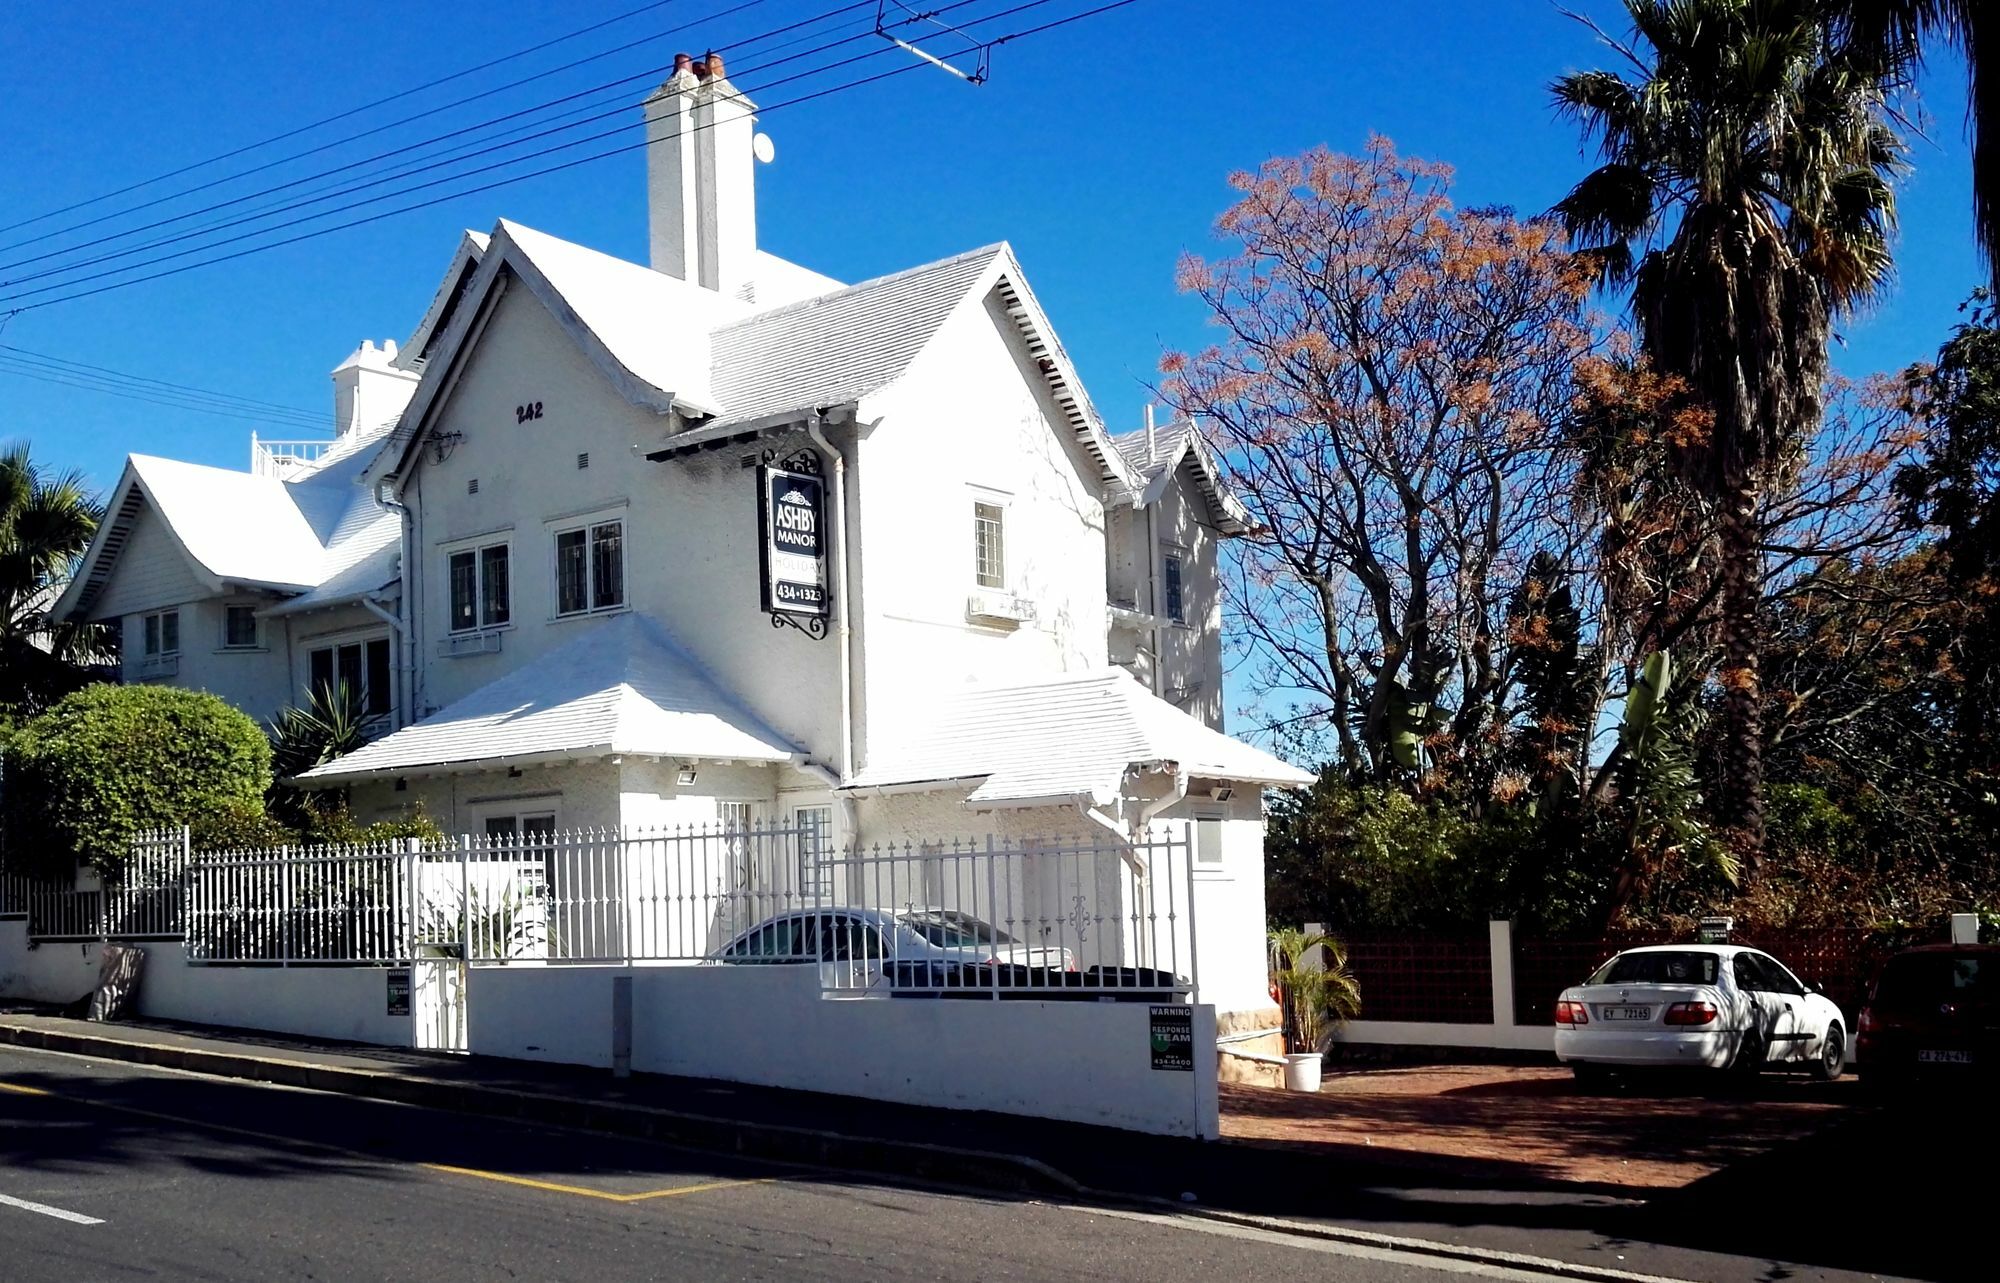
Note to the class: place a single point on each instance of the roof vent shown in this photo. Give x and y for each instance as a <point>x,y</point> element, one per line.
<point>583,460</point>
<point>472,486</point>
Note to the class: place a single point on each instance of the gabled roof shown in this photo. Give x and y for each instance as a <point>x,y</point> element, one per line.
<point>1154,455</point>
<point>464,262</point>
<point>623,687</point>
<point>1106,723</point>
<point>240,530</point>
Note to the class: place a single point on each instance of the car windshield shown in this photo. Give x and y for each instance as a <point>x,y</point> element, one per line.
<point>1920,979</point>
<point>1671,967</point>
<point>949,929</point>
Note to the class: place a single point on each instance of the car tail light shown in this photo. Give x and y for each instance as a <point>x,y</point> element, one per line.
<point>1691,1013</point>
<point>1572,1013</point>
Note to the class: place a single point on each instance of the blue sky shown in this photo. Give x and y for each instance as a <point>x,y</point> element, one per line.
<point>1099,150</point>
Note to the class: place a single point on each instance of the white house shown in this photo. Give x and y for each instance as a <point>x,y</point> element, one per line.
<point>719,538</point>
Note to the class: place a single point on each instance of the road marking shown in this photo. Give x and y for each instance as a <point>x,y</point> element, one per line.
<point>298,1142</point>
<point>556,1187</point>
<point>75,1218</point>
<point>1366,1245</point>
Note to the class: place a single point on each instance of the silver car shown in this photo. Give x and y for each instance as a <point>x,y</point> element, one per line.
<point>870,948</point>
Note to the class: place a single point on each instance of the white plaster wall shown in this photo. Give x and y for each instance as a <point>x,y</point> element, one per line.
<point>1189,654</point>
<point>1230,929</point>
<point>46,973</point>
<point>972,411</point>
<point>582,794</point>
<point>690,538</point>
<point>1081,1062</point>
<point>348,1003</point>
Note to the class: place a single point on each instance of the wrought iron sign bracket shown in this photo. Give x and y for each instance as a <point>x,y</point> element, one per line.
<point>813,626</point>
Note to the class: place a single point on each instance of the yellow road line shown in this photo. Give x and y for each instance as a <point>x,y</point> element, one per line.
<point>553,1187</point>
<point>556,1187</point>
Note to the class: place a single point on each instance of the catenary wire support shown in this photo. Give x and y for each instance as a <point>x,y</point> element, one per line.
<point>984,50</point>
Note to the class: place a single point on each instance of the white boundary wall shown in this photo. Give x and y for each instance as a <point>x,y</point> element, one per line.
<point>347,1003</point>
<point>1084,1062</point>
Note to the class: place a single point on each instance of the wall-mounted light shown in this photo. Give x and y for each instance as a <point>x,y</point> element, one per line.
<point>513,772</point>
<point>402,785</point>
<point>1221,792</point>
<point>684,776</point>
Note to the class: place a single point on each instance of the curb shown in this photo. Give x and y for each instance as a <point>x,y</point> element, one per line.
<point>940,1164</point>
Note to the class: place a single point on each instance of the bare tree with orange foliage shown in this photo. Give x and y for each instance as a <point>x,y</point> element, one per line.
<point>1389,393</point>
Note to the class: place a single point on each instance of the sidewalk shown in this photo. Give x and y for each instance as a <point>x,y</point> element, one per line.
<point>998,1152</point>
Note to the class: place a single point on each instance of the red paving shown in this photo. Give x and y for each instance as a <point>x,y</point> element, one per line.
<point>1535,1122</point>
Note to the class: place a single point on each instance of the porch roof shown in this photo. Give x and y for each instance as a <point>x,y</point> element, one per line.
<point>624,687</point>
<point>1064,739</point>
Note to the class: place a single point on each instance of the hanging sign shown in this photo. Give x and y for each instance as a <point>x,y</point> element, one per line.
<point>794,521</point>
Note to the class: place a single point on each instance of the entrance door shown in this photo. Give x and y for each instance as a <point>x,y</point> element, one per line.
<point>437,1004</point>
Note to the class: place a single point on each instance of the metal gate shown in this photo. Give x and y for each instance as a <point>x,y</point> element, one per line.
<point>437,1004</point>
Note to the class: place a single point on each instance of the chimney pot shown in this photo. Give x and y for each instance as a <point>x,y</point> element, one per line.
<point>682,63</point>
<point>701,69</point>
<point>714,61</point>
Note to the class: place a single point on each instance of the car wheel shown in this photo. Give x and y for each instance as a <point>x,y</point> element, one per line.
<point>1832,1062</point>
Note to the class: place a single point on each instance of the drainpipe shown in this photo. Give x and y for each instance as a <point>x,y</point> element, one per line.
<point>1159,804</point>
<point>816,429</point>
<point>404,618</point>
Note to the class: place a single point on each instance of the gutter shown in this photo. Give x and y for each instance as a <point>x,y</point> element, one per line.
<point>816,429</point>
<point>402,619</point>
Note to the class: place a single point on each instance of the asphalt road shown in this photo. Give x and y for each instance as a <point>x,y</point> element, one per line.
<point>114,1171</point>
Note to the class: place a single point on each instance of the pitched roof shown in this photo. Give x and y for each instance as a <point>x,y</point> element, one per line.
<point>1104,721</point>
<point>623,687</point>
<point>840,346</point>
<point>1155,455</point>
<point>319,534</point>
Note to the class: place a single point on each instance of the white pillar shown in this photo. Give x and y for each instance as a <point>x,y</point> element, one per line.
<point>1500,944</point>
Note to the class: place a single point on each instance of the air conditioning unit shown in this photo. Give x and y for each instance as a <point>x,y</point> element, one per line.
<point>999,607</point>
<point>468,644</point>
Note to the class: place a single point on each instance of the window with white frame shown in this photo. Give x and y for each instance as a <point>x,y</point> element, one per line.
<point>989,543</point>
<point>239,627</point>
<point>1208,841</point>
<point>590,568</point>
<point>358,670</point>
<point>480,594</point>
<point>815,825</point>
<point>1170,582</point>
<point>161,634</point>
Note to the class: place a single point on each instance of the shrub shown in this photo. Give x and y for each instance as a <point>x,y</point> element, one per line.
<point>109,761</point>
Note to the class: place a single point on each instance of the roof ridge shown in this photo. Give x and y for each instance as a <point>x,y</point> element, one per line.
<point>817,300</point>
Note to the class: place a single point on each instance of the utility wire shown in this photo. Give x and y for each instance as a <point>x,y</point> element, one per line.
<point>427,164</point>
<point>517,178</point>
<point>380,129</point>
<point>618,131</point>
<point>340,116</point>
<point>84,367</point>
<point>294,420</point>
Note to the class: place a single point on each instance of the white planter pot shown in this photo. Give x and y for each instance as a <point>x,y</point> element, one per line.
<point>1302,1069</point>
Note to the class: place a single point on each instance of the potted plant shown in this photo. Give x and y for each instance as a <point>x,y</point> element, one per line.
<point>1316,994</point>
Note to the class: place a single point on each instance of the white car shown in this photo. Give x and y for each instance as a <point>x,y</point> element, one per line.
<point>1707,1006</point>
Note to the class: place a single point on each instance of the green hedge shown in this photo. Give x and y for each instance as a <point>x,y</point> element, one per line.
<point>110,761</point>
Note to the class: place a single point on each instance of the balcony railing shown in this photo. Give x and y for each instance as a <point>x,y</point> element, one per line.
<point>283,459</point>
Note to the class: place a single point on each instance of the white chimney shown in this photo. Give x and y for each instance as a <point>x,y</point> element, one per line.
<point>701,186</point>
<point>368,390</point>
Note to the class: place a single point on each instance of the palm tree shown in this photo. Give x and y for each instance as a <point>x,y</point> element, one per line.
<point>1897,29</point>
<point>1744,198</point>
<point>46,522</point>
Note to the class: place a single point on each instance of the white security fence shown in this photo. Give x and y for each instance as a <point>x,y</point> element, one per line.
<point>967,917</point>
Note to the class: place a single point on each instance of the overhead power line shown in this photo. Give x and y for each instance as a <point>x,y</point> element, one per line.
<point>417,167</point>
<point>97,378</point>
<point>844,87</point>
<point>341,115</point>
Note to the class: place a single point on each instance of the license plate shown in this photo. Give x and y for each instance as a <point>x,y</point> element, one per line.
<point>1944,1057</point>
<point>1628,1013</point>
